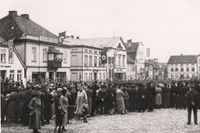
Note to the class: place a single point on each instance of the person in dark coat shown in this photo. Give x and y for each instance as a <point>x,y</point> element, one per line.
<point>3,108</point>
<point>192,103</point>
<point>150,97</point>
<point>133,94</point>
<point>142,97</point>
<point>59,112</point>
<point>35,114</point>
<point>48,101</point>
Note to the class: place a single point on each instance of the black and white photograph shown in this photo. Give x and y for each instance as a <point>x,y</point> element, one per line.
<point>100,66</point>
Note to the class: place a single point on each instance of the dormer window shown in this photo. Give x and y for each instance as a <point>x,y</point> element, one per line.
<point>119,45</point>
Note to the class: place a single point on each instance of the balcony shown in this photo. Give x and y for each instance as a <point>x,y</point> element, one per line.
<point>54,64</point>
<point>54,59</point>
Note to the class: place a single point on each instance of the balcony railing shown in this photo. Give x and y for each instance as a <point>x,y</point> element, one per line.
<point>54,64</point>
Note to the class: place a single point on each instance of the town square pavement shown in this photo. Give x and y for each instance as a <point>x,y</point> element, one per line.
<point>159,121</point>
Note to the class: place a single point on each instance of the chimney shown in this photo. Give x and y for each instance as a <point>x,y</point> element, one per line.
<point>25,16</point>
<point>12,13</point>
<point>129,41</point>
<point>72,36</point>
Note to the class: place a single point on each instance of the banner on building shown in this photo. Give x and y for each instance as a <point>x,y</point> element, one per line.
<point>103,57</point>
<point>61,37</point>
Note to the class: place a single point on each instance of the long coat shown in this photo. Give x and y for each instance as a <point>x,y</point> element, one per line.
<point>89,96</point>
<point>35,115</point>
<point>120,106</point>
<point>81,99</point>
<point>64,105</point>
<point>158,96</point>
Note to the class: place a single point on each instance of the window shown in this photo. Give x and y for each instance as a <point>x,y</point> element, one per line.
<point>85,76</point>
<point>34,54</point>
<point>99,61</point>
<point>95,60</point>
<point>182,69</point>
<point>104,76</point>
<point>65,57</point>
<point>99,76</point>
<point>90,60</point>
<point>19,75</point>
<point>193,69</point>
<point>10,57</point>
<point>90,76</point>
<point>51,57</point>
<point>176,69</point>
<point>12,74</point>
<point>119,60</point>
<point>74,60</point>
<point>3,57</point>
<point>86,60</point>
<point>44,55</point>
<point>86,50</point>
<point>95,52</point>
<point>172,69</point>
<point>187,69</point>
<point>123,60</point>
<point>90,51</point>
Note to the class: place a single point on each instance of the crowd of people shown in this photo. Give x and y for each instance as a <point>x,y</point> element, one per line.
<point>36,104</point>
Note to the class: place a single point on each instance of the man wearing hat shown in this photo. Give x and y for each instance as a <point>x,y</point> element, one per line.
<point>192,103</point>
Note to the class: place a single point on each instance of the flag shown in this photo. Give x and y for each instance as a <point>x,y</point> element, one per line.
<point>103,57</point>
<point>61,37</point>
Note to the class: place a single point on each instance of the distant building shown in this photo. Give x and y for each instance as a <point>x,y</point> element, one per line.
<point>44,58</point>
<point>155,70</point>
<point>135,60</point>
<point>86,59</point>
<point>183,67</point>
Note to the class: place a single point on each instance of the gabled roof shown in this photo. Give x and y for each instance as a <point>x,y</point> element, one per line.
<point>15,26</point>
<point>106,42</point>
<point>132,48</point>
<point>182,59</point>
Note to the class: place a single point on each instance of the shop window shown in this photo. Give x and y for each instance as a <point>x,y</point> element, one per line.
<point>104,76</point>
<point>99,76</point>
<point>90,76</point>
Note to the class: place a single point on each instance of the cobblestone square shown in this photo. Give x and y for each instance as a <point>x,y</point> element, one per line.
<point>159,121</point>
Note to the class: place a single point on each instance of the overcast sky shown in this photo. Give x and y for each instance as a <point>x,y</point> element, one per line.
<point>168,27</point>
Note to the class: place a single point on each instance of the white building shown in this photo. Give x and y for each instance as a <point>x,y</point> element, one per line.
<point>43,56</point>
<point>11,66</point>
<point>86,59</point>
<point>136,60</point>
<point>183,67</point>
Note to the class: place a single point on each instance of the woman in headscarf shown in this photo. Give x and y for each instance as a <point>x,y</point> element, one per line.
<point>81,102</point>
<point>35,114</point>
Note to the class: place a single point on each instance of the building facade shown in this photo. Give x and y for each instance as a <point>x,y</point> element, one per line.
<point>183,67</point>
<point>136,56</point>
<point>11,66</point>
<point>86,59</point>
<point>44,58</point>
